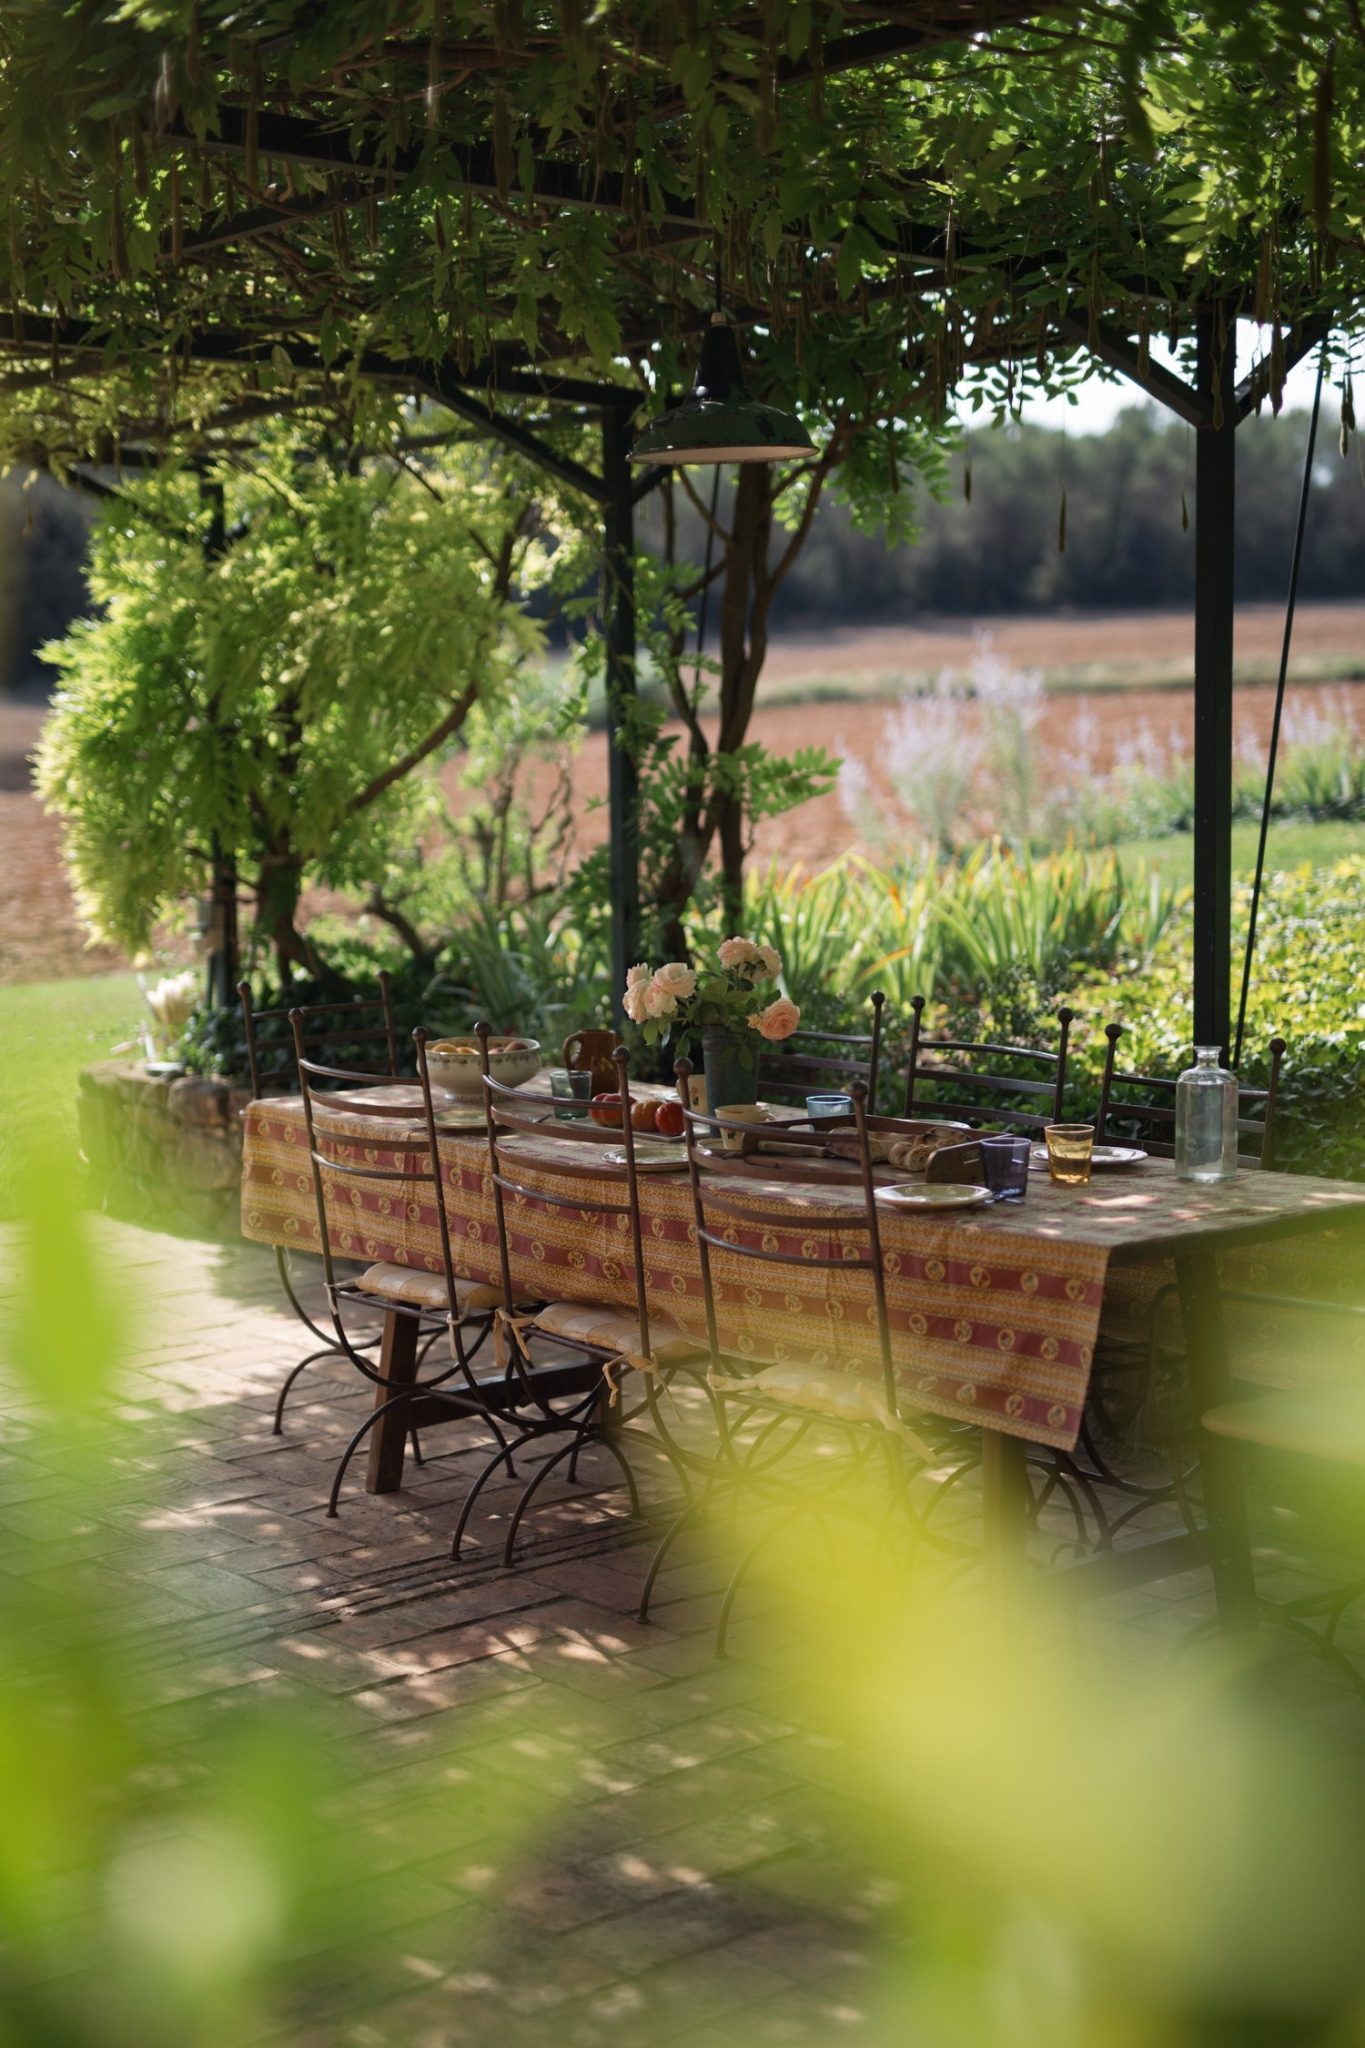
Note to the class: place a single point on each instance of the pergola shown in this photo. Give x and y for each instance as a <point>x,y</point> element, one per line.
<point>544,203</point>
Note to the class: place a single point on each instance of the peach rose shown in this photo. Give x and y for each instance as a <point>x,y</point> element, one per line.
<point>635,975</point>
<point>633,1001</point>
<point>677,978</point>
<point>658,1001</point>
<point>771,961</point>
<point>779,1020</point>
<point>737,953</point>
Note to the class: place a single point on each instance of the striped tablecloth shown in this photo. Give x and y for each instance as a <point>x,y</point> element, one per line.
<point>994,1312</point>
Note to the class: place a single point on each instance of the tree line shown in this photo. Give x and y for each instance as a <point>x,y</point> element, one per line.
<point>995,542</point>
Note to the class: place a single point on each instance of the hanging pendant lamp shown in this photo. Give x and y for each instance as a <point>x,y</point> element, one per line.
<point>719,421</point>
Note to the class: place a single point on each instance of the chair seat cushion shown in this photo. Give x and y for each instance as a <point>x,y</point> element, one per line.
<point>614,1329</point>
<point>1327,1423</point>
<point>839,1396</point>
<point>428,1290</point>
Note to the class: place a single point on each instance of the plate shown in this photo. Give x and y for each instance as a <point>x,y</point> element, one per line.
<point>948,1194</point>
<point>660,1156</point>
<point>1102,1156</point>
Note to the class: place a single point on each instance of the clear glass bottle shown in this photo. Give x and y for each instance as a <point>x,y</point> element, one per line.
<point>1206,1119</point>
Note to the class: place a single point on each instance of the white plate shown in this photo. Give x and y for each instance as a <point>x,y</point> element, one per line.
<point>915,1194</point>
<point>660,1156</point>
<point>1102,1156</point>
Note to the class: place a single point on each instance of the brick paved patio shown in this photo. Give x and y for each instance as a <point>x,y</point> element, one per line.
<point>687,1888</point>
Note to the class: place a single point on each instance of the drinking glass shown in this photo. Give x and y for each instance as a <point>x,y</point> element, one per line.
<point>1069,1149</point>
<point>572,1092</point>
<point>824,1108</point>
<point>1004,1161</point>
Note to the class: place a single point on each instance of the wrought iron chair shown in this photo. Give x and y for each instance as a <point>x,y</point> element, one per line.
<point>950,1077</point>
<point>608,1342</point>
<point>355,1031</point>
<point>416,1304</point>
<point>1140,1108</point>
<point>748,1222</point>
<point>811,1061</point>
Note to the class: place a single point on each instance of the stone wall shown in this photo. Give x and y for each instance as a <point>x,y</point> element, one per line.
<point>161,1150</point>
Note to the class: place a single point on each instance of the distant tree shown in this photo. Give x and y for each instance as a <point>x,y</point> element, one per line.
<point>1129,526</point>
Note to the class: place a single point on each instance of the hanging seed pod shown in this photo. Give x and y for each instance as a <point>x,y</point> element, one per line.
<point>177,217</point>
<point>1277,368</point>
<point>1322,145</point>
<point>118,252</point>
<point>165,97</point>
<point>438,226</point>
<point>16,261</point>
<point>1184,513</point>
<point>1348,415</point>
<point>502,144</point>
<point>1061,524</point>
<point>967,478</point>
<point>433,94</point>
<point>193,48</point>
<point>138,154</point>
<point>1260,303</point>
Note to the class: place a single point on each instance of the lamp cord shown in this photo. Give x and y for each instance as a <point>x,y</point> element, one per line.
<point>1295,564</point>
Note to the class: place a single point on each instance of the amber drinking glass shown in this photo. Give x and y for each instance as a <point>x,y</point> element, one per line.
<point>1069,1150</point>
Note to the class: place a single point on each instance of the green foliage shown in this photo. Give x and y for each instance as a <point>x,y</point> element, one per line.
<point>269,702</point>
<point>939,931</point>
<point>1306,988</point>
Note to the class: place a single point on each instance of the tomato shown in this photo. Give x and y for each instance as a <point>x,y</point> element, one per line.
<point>642,1115</point>
<point>668,1119</point>
<point>606,1110</point>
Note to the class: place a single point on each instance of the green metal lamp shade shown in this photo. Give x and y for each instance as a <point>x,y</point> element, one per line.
<point>719,421</point>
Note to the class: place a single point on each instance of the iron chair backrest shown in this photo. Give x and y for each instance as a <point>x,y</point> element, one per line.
<point>1151,1118</point>
<point>365,1022</point>
<point>422,1161</point>
<point>1026,1100</point>
<point>730,1201</point>
<point>514,1112</point>
<point>813,1062</point>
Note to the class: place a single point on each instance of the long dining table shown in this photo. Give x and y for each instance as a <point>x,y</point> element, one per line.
<point>995,1312</point>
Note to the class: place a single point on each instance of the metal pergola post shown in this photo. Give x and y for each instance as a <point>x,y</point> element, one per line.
<point>618,620</point>
<point>1214,565</point>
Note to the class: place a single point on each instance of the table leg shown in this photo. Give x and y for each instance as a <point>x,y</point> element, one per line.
<point>1220,1467</point>
<point>388,1438</point>
<point>1004,1505</point>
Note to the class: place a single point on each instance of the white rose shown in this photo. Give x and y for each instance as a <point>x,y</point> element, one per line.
<point>677,978</point>
<point>633,1002</point>
<point>635,975</point>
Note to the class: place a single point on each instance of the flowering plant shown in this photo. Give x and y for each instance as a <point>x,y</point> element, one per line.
<point>737,992</point>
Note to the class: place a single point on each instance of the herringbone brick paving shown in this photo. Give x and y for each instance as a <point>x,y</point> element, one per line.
<point>685,1886</point>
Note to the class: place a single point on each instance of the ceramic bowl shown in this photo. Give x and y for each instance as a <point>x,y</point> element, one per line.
<point>455,1064</point>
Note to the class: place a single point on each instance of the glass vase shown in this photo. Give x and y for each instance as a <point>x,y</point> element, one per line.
<point>730,1063</point>
<point>1206,1119</point>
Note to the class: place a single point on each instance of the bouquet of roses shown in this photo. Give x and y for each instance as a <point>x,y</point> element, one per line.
<point>735,993</point>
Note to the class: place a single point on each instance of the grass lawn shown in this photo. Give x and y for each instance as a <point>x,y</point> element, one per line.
<point>1290,845</point>
<point>49,1030</point>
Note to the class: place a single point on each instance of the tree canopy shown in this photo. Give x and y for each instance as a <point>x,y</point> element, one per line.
<point>218,209</point>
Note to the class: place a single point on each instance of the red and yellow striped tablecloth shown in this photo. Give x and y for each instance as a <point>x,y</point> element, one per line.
<point>998,1323</point>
